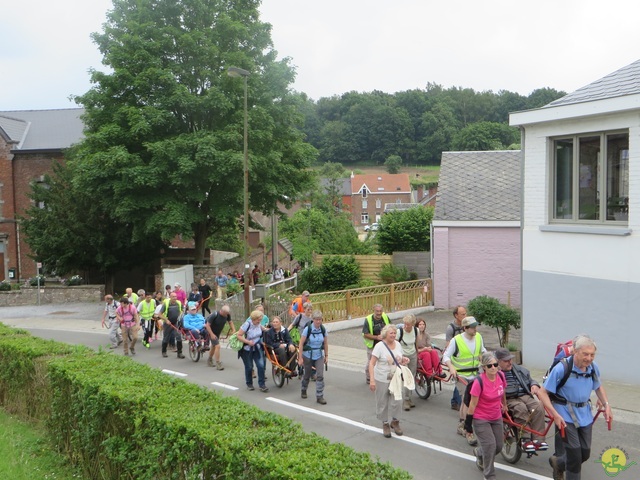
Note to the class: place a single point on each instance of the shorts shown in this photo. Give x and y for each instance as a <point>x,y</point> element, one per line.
<point>215,341</point>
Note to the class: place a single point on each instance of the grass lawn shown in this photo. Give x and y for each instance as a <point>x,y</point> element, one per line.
<point>25,453</point>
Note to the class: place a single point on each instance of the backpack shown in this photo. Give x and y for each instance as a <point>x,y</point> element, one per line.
<point>563,351</point>
<point>415,332</point>
<point>568,370</point>
<point>306,340</point>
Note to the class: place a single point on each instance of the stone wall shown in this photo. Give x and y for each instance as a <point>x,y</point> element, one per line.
<point>52,294</point>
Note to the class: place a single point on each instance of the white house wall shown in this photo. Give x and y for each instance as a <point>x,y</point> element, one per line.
<point>577,282</point>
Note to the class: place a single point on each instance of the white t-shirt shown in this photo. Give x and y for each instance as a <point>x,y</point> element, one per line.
<point>383,367</point>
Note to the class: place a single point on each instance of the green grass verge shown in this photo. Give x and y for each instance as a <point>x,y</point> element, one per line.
<point>26,454</point>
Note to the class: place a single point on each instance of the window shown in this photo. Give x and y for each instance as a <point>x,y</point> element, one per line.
<point>1,200</point>
<point>591,178</point>
<point>364,193</point>
<point>378,203</point>
<point>364,218</point>
<point>364,204</point>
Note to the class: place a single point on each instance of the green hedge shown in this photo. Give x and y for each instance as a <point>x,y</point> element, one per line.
<point>117,419</point>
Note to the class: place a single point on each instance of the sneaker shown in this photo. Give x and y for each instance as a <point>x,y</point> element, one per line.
<point>460,429</point>
<point>303,394</point>
<point>471,439</point>
<point>251,388</point>
<point>210,362</point>
<point>150,340</point>
<point>219,366</point>
<point>146,344</point>
<point>395,424</point>
<point>180,355</point>
<point>321,401</point>
<point>264,389</point>
<point>164,354</point>
<point>479,462</point>
<point>558,474</point>
<point>527,446</point>
<point>411,404</point>
<point>541,445</point>
<point>386,430</point>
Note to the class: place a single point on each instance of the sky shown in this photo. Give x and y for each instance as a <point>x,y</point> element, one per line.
<point>339,46</point>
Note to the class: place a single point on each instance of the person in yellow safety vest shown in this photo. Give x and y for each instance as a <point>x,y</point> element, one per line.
<point>133,297</point>
<point>146,309</point>
<point>373,325</point>
<point>462,356</point>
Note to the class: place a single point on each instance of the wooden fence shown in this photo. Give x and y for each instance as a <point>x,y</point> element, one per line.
<point>370,265</point>
<point>347,304</point>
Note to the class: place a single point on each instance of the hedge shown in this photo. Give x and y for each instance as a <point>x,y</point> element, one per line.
<point>117,419</point>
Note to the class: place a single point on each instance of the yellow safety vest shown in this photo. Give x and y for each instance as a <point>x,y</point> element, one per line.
<point>146,312</point>
<point>465,361</point>
<point>368,342</point>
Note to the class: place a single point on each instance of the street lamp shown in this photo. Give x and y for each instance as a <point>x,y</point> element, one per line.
<point>239,72</point>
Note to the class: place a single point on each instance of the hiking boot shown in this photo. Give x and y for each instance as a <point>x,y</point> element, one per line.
<point>460,429</point>
<point>406,406</point>
<point>264,389</point>
<point>558,474</point>
<point>321,401</point>
<point>180,355</point>
<point>303,394</point>
<point>219,366</point>
<point>411,404</point>
<point>386,430</point>
<point>471,439</point>
<point>395,424</point>
<point>133,351</point>
<point>164,354</point>
<point>479,462</point>
<point>210,362</point>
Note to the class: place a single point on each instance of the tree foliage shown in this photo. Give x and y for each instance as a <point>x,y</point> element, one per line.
<point>164,138</point>
<point>393,164</point>
<point>490,311</point>
<point>69,230</point>
<point>405,231</point>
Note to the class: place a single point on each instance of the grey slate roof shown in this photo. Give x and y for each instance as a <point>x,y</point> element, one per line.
<point>625,81</point>
<point>43,129</point>
<point>343,185</point>
<point>480,186</point>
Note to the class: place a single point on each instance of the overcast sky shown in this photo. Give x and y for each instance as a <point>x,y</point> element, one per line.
<point>339,46</point>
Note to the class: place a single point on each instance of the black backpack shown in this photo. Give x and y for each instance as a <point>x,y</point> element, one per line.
<point>308,332</point>
<point>415,331</point>
<point>568,370</point>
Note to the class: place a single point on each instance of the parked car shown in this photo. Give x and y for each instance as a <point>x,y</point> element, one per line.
<point>373,227</point>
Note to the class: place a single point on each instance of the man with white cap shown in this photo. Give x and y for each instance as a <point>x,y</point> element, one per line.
<point>462,356</point>
<point>523,406</point>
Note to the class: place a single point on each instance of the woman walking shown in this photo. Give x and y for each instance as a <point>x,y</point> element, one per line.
<point>484,417</point>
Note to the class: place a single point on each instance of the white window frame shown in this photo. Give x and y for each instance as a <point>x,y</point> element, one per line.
<point>575,181</point>
<point>364,218</point>
<point>364,204</point>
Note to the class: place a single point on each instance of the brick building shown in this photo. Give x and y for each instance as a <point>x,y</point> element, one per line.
<point>31,141</point>
<point>370,193</point>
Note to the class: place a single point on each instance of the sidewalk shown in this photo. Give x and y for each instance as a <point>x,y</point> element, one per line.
<point>83,317</point>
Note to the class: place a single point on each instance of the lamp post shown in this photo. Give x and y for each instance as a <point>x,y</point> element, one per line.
<point>239,72</point>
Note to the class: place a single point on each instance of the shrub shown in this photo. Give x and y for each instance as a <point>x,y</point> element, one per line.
<point>339,271</point>
<point>34,280</point>
<point>310,279</point>
<point>5,286</point>
<point>234,288</point>
<point>390,273</point>
<point>75,280</point>
<point>490,311</point>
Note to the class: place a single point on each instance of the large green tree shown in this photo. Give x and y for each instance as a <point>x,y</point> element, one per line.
<point>164,138</point>
<point>405,231</point>
<point>69,231</point>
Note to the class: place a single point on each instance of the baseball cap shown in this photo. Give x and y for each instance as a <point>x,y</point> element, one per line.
<point>503,354</point>
<point>469,322</point>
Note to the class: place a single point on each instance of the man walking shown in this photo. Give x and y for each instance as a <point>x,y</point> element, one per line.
<point>127,316</point>
<point>215,324</point>
<point>110,321</point>
<point>171,312</point>
<point>566,393</point>
<point>462,356</point>
<point>373,325</point>
<point>313,353</point>
<point>221,285</point>
<point>146,310</point>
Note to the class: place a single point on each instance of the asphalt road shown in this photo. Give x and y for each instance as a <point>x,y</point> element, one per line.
<point>430,448</point>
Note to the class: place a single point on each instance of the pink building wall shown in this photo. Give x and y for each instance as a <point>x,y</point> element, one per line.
<point>473,261</point>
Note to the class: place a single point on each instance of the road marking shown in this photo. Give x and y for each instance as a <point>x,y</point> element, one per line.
<point>224,385</point>
<point>404,438</point>
<point>171,372</point>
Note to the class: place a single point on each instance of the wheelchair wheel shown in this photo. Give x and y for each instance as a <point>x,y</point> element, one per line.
<point>510,449</point>
<point>194,351</point>
<point>423,385</point>
<point>278,376</point>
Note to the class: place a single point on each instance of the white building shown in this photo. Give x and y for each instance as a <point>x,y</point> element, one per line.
<point>581,220</point>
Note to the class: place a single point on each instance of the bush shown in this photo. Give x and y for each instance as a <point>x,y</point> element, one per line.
<point>490,311</point>
<point>233,288</point>
<point>390,273</point>
<point>34,280</point>
<point>75,280</point>
<point>5,286</point>
<point>339,271</point>
<point>310,279</point>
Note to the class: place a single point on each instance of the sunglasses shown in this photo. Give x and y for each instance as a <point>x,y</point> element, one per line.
<point>494,365</point>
